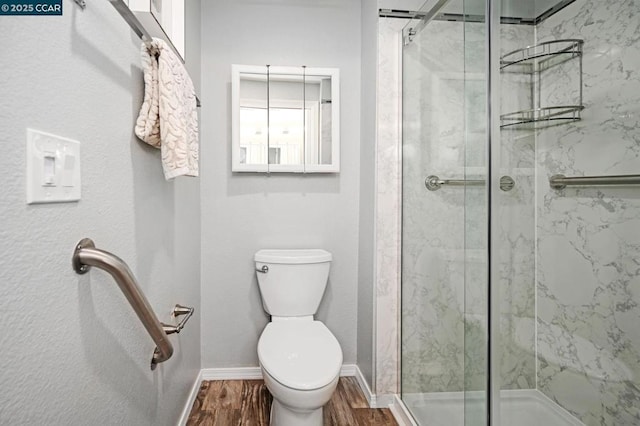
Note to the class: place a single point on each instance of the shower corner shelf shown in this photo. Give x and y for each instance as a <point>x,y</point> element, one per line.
<point>534,60</point>
<point>541,117</point>
<point>544,55</point>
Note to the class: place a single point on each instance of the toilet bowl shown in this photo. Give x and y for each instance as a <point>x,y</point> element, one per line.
<point>300,361</point>
<point>299,357</point>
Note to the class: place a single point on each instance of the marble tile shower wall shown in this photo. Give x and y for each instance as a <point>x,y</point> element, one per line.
<point>388,203</point>
<point>588,267</point>
<point>514,240</point>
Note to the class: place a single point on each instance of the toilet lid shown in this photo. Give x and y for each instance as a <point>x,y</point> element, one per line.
<point>300,354</point>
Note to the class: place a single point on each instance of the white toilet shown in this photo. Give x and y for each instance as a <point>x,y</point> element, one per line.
<point>299,357</point>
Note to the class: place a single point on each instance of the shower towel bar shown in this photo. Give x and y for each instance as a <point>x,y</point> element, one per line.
<point>87,255</point>
<point>433,182</point>
<point>561,181</point>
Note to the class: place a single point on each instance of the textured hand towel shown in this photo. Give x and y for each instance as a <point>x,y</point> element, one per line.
<point>168,118</point>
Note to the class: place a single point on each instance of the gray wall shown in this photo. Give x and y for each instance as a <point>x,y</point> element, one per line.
<point>242,212</point>
<point>366,243</point>
<point>73,352</point>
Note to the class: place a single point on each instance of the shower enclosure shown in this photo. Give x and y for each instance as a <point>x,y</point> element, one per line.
<point>521,213</point>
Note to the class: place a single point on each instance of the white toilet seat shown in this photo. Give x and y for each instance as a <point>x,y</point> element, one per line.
<point>300,354</point>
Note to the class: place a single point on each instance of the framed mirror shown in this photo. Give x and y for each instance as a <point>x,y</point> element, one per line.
<point>285,119</point>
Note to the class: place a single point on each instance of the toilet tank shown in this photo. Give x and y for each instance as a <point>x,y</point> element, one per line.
<point>293,281</point>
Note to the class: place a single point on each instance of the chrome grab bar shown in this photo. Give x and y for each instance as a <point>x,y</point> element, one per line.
<point>87,255</point>
<point>561,181</point>
<point>433,182</point>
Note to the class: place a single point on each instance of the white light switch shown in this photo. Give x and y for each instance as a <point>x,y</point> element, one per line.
<point>49,169</point>
<point>53,168</point>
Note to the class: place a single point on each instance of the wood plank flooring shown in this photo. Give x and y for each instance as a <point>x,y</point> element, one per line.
<point>248,403</point>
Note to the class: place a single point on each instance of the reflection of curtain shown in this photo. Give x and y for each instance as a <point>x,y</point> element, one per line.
<point>325,133</point>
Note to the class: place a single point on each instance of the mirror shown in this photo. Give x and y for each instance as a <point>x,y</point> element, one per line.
<point>285,119</point>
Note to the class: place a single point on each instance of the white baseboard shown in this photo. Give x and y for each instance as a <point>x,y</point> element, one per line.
<point>390,401</point>
<point>401,413</point>
<point>252,373</point>
<point>192,397</point>
<point>349,370</point>
<point>237,373</point>
<point>375,401</point>
<point>364,386</point>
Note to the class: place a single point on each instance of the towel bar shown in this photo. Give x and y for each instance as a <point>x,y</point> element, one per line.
<point>136,26</point>
<point>561,181</point>
<point>139,29</point>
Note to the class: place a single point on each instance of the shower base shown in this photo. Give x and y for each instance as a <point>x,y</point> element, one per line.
<point>517,407</point>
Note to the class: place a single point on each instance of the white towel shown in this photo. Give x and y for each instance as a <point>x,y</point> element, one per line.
<point>168,118</point>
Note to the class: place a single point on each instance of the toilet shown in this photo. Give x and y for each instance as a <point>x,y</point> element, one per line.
<point>299,357</point>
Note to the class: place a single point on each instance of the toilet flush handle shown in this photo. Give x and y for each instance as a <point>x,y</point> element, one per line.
<point>263,270</point>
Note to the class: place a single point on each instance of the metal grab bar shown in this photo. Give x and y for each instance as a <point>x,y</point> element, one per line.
<point>86,255</point>
<point>561,181</point>
<point>433,182</point>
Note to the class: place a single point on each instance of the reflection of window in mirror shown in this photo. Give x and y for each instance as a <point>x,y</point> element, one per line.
<point>253,134</point>
<point>254,122</point>
<point>289,127</point>
<point>286,120</point>
<point>286,135</point>
<point>274,155</point>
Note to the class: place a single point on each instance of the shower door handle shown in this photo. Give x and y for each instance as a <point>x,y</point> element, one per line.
<point>433,182</point>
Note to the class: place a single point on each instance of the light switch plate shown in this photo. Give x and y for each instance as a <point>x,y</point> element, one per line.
<point>53,168</point>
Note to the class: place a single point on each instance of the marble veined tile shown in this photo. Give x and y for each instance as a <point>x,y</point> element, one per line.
<point>388,203</point>
<point>588,242</point>
<point>514,233</point>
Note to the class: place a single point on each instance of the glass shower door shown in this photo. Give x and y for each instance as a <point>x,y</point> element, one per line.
<point>444,289</point>
<point>476,215</point>
<point>520,299</point>
<point>569,257</point>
